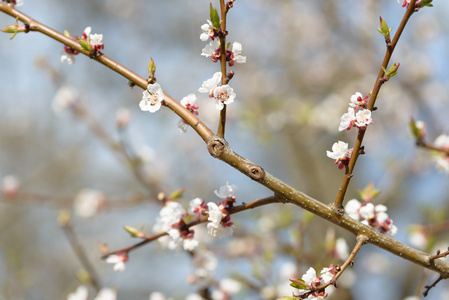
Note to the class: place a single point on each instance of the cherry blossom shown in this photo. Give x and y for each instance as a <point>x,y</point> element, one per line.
<point>81,293</point>
<point>208,31</point>
<point>235,56</point>
<point>152,98</point>
<point>87,202</point>
<point>10,186</point>
<point>210,84</point>
<point>15,2</point>
<point>223,95</point>
<point>188,102</point>
<point>106,294</point>
<point>122,117</point>
<point>312,281</point>
<point>226,191</point>
<point>118,260</point>
<point>220,225</point>
<point>340,152</point>
<point>212,50</point>
<point>65,97</point>
<point>347,120</point>
<point>197,207</point>
<point>372,215</point>
<point>363,118</point>
<point>357,100</point>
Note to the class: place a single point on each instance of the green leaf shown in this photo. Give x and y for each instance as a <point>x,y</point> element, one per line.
<point>85,45</point>
<point>299,284</point>
<point>425,3</point>
<point>134,232</point>
<point>66,33</point>
<point>214,17</point>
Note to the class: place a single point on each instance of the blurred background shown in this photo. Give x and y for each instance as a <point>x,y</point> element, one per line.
<point>304,61</point>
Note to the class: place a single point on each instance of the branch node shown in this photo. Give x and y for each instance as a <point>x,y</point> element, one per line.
<point>216,146</point>
<point>255,172</point>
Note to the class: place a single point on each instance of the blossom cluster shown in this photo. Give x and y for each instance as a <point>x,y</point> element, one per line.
<point>310,281</point>
<point>371,215</point>
<point>359,119</point>
<point>88,41</point>
<point>170,221</point>
<point>214,87</point>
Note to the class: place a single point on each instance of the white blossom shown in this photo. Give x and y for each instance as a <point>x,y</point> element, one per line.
<point>206,29</point>
<point>118,261</point>
<point>354,102</point>
<point>87,202</point>
<point>152,98</point>
<point>340,151</point>
<point>363,118</point>
<point>209,49</point>
<point>70,58</point>
<point>215,214</point>
<point>220,231</point>
<point>210,84</point>
<point>106,294</point>
<point>81,293</point>
<point>223,95</point>
<point>65,97</point>
<point>237,49</point>
<point>10,185</point>
<point>347,120</point>
<point>226,191</point>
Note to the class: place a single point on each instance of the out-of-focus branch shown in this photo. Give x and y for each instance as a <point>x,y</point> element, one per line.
<point>174,105</point>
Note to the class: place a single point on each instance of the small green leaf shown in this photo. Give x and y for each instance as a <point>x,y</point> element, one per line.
<point>177,194</point>
<point>66,33</point>
<point>214,18</point>
<point>299,284</point>
<point>134,232</point>
<point>85,45</point>
<point>425,3</point>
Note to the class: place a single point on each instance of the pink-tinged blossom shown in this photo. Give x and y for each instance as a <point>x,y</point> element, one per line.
<point>312,281</point>
<point>328,273</point>
<point>236,54</point>
<point>407,2</point>
<point>357,100</point>
<point>197,207</point>
<point>341,153</point>
<point>210,84</point>
<point>371,215</point>
<point>219,225</point>
<point>69,56</point>
<point>81,293</point>
<point>152,98</point>
<point>422,129</point>
<point>223,95</point>
<point>15,2</point>
<point>88,202</point>
<point>212,50</point>
<point>118,260</point>
<point>10,186</point>
<point>363,118</point>
<point>208,31</point>
<point>188,102</point>
<point>347,120</point>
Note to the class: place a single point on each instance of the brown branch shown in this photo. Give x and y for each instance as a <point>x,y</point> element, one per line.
<point>372,100</point>
<point>222,36</point>
<point>219,148</point>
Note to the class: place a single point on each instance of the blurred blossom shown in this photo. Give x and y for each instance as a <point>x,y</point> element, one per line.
<point>158,296</point>
<point>146,154</point>
<point>65,98</point>
<point>122,117</point>
<point>10,185</point>
<point>440,159</point>
<point>376,263</point>
<point>81,293</point>
<point>204,264</point>
<point>230,285</point>
<point>118,260</point>
<point>226,191</point>
<point>106,294</point>
<point>194,297</point>
<point>88,202</point>
<point>341,249</point>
